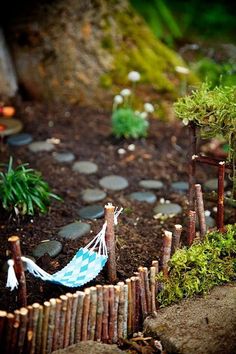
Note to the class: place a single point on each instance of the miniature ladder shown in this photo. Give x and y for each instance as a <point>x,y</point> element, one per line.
<point>84,266</point>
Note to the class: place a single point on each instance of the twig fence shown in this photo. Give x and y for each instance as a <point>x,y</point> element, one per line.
<point>104,312</point>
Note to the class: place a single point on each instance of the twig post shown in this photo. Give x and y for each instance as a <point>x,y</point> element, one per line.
<point>176,237</point>
<point>220,203</point>
<point>192,163</point>
<point>191,226</point>
<point>167,242</point>
<point>200,210</point>
<point>111,243</point>
<point>19,269</point>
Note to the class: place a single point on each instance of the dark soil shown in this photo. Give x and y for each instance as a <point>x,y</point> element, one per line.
<point>87,133</point>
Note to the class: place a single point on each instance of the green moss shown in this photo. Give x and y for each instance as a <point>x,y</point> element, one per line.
<point>105,81</point>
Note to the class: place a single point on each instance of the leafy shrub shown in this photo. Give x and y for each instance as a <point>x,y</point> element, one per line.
<point>197,269</point>
<point>23,191</point>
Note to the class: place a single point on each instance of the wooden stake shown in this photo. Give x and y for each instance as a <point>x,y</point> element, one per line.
<point>137,303</point>
<point>133,294</point>
<point>142,291</point>
<point>191,226</point>
<point>29,336</point>
<point>56,335</point>
<point>153,288</point>
<point>130,306</point>
<point>98,335</point>
<point>220,203</point>
<point>176,237</point>
<point>68,320</point>
<point>200,210</point>
<point>116,307</point>
<point>105,313</point>
<point>111,327</point>
<point>46,310</point>
<point>147,289</point>
<point>73,317</point>
<point>167,242</point>
<point>85,317</point>
<point>15,331</point>
<point>92,313</point>
<point>121,310</point>
<point>3,318</point>
<point>9,330</point>
<point>39,331</point>
<point>19,269</point>
<point>79,316</point>
<point>125,323</point>
<point>36,308</point>
<point>51,324</point>
<point>111,243</point>
<point>192,164</point>
<point>22,329</point>
<point>63,299</point>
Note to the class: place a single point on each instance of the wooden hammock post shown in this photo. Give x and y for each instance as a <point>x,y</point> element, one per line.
<point>111,243</point>
<point>192,163</point>
<point>220,202</point>
<point>19,269</point>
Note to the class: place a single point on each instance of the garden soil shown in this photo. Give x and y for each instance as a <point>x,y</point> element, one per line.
<point>163,155</point>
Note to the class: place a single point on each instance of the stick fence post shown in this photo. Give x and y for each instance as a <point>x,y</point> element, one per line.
<point>192,163</point>
<point>200,210</point>
<point>220,202</point>
<point>19,269</point>
<point>191,226</point>
<point>111,243</point>
<point>167,242</point>
<point>176,237</point>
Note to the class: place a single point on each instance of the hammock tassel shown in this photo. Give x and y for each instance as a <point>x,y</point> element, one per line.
<point>12,281</point>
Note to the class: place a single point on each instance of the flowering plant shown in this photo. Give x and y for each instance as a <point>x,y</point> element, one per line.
<point>127,122</point>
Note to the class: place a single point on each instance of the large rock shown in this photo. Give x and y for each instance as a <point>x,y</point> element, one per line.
<point>90,348</point>
<point>78,50</point>
<point>196,326</point>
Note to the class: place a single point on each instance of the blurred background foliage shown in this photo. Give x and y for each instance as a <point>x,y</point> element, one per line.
<point>202,31</point>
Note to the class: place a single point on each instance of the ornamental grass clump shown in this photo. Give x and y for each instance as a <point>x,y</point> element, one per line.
<point>127,122</point>
<point>197,269</point>
<point>23,191</point>
<point>213,111</point>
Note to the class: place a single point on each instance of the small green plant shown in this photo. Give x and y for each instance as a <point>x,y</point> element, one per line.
<point>213,110</point>
<point>23,191</point>
<point>195,270</point>
<point>127,122</point>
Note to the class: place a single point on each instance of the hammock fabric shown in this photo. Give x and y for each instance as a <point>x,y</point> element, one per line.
<point>84,266</point>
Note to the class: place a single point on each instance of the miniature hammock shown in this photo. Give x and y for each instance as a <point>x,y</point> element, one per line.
<point>84,266</point>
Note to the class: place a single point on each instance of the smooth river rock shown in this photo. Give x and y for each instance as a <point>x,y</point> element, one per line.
<point>180,186</point>
<point>147,197</point>
<point>167,209</point>
<point>53,248</point>
<point>38,146</point>
<point>74,230</point>
<point>114,182</point>
<point>20,139</point>
<point>85,167</point>
<point>151,184</point>
<point>93,195</point>
<point>91,212</point>
<point>64,157</point>
<point>212,184</point>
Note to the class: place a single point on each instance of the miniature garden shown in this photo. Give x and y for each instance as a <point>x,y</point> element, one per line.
<point>162,158</point>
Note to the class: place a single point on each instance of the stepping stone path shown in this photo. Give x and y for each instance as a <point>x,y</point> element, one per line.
<point>151,184</point>
<point>114,182</point>
<point>53,248</point>
<point>147,197</point>
<point>39,146</point>
<point>74,230</point>
<point>20,139</point>
<point>180,186</point>
<point>212,184</point>
<point>93,195</point>
<point>167,209</point>
<point>64,156</point>
<point>91,212</point>
<point>85,167</point>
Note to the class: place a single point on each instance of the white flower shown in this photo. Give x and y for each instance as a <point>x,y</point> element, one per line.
<point>148,107</point>
<point>131,147</point>
<point>143,115</point>
<point>118,99</point>
<point>162,201</point>
<point>134,76</point>
<point>125,92</point>
<point>121,151</point>
<point>185,121</point>
<point>207,213</point>
<point>182,70</point>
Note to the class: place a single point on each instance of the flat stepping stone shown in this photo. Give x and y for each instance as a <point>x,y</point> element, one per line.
<point>210,222</point>
<point>86,167</point>
<point>20,139</point>
<point>53,248</point>
<point>10,126</point>
<point>91,212</point>
<point>114,182</point>
<point>64,157</point>
<point>212,184</point>
<point>167,209</point>
<point>74,230</point>
<point>93,195</point>
<point>180,186</point>
<point>39,146</point>
<point>151,184</point>
<point>147,197</point>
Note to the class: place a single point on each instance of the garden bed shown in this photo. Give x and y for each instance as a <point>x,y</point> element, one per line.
<point>87,133</point>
